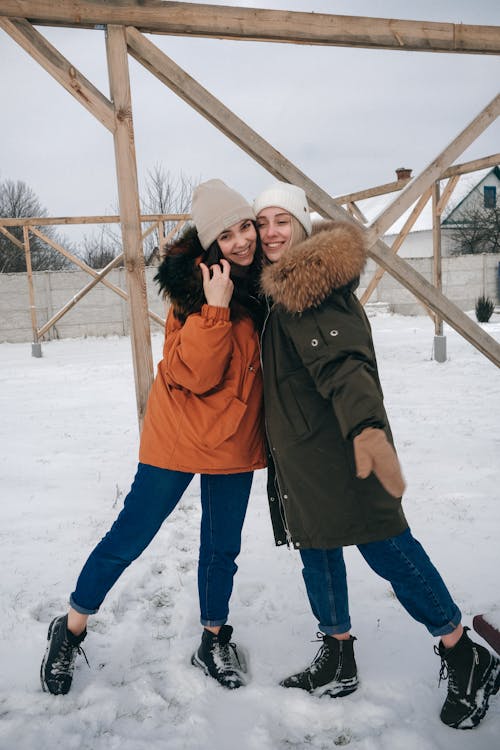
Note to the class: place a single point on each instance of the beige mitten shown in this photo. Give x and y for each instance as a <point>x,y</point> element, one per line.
<point>373,452</point>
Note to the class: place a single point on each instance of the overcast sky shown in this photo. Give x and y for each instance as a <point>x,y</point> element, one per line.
<point>347,117</point>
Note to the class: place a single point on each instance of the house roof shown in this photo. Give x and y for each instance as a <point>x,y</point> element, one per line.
<point>373,207</point>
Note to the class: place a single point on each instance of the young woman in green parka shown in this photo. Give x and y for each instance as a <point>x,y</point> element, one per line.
<point>334,476</point>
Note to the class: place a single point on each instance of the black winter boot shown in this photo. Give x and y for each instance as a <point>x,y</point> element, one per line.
<point>332,672</point>
<point>473,675</point>
<point>220,658</point>
<point>56,672</point>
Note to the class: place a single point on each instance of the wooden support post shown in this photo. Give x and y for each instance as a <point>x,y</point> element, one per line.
<point>36,348</point>
<point>128,194</point>
<point>437,278</point>
<point>419,184</point>
<point>161,240</point>
<point>439,339</point>
<point>167,71</point>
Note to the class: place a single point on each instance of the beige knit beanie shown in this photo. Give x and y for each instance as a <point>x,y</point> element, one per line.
<point>215,207</point>
<point>290,197</point>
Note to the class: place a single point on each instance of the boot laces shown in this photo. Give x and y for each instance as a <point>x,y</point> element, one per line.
<point>227,655</point>
<point>447,673</point>
<point>322,655</point>
<point>65,659</point>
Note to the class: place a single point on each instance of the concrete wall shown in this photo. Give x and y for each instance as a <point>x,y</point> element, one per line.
<point>465,278</point>
<point>100,313</point>
<point>104,313</point>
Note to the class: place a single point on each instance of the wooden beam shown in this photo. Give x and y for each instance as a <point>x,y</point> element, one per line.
<point>92,271</point>
<point>70,256</point>
<point>255,24</point>
<point>425,179</point>
<point>472,166</point>
<point>447,192</point>
<point>410,221</point>
<point>79,295</point>
<point>40,221</point>
<point>11,237</point>
<point>128,194</point>
<point>487,627</point>
<point>361,195</point>
<point>61,69</point>
<point>355,211</point>
<point>397,185</point>
<point>278,165</point>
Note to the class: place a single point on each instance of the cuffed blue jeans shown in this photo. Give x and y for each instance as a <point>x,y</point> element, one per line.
<point>403,562</point>
<point>153,496</point>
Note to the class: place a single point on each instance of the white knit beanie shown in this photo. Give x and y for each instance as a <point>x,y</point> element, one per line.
<point>215,207</point>
<point>290,197</point>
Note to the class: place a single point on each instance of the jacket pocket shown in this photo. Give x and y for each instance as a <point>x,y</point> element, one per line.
<point>217,425</point>
<point>295,413</point>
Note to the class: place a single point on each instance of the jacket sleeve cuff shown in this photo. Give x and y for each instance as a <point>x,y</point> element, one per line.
<point>216,314</point>
<point>369,423</point>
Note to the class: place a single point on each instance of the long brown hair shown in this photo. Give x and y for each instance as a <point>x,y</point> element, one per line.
<point>298,233</point>
<point>246,295</point>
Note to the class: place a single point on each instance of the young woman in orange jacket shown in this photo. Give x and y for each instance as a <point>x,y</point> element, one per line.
<point>204,416</point>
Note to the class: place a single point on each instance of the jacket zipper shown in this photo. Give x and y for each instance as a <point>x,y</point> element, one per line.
<point>475,661</point>
<point>277,482</point>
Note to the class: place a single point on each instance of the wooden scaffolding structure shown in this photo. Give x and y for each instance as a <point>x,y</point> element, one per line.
<point>126,22</point>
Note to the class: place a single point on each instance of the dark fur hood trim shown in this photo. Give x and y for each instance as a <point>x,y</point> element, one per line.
<point>332,258</point>
<point>178,276</point>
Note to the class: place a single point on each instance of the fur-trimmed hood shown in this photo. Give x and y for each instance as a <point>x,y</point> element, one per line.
<point>333,257</point>
<point>179,277</point>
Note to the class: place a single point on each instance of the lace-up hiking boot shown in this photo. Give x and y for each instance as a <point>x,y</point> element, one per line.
<point>221,659</point>
<point>332,672</point>
<point>56,672</point>
<point>473,674</point>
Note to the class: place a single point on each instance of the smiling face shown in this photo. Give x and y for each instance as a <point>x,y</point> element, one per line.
<point>238,243</point>
<point>275,229</point>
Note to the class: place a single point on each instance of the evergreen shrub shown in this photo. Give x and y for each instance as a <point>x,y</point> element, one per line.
<point>484,309</point>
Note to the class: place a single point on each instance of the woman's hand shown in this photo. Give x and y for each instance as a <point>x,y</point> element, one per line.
<point>217,285</point>
<point>373,452</point>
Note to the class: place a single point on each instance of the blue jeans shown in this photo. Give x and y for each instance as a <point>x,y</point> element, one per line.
<point>403,562</point>
<point>153,496</point>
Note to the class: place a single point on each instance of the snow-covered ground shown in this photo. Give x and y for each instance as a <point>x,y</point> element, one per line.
<point>69,444</point>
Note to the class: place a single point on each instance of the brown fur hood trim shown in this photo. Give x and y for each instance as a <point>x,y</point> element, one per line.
<point>333,257</point>
<point>179,277</point>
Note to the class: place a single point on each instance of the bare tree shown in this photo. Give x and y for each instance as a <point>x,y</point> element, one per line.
<point>99,249</point>
<point>164,194</point>
<point>477,230</point>
<point>17,200</point>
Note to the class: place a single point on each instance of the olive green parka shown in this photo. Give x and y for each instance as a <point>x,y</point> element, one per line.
<point>321,388</point>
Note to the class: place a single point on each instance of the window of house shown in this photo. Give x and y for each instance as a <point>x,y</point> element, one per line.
<point>490,196</point>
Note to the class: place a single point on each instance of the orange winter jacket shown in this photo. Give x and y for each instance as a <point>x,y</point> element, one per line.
<point>204,413</point>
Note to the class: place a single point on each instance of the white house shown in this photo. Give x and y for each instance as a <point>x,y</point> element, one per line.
<point>482,187</point>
